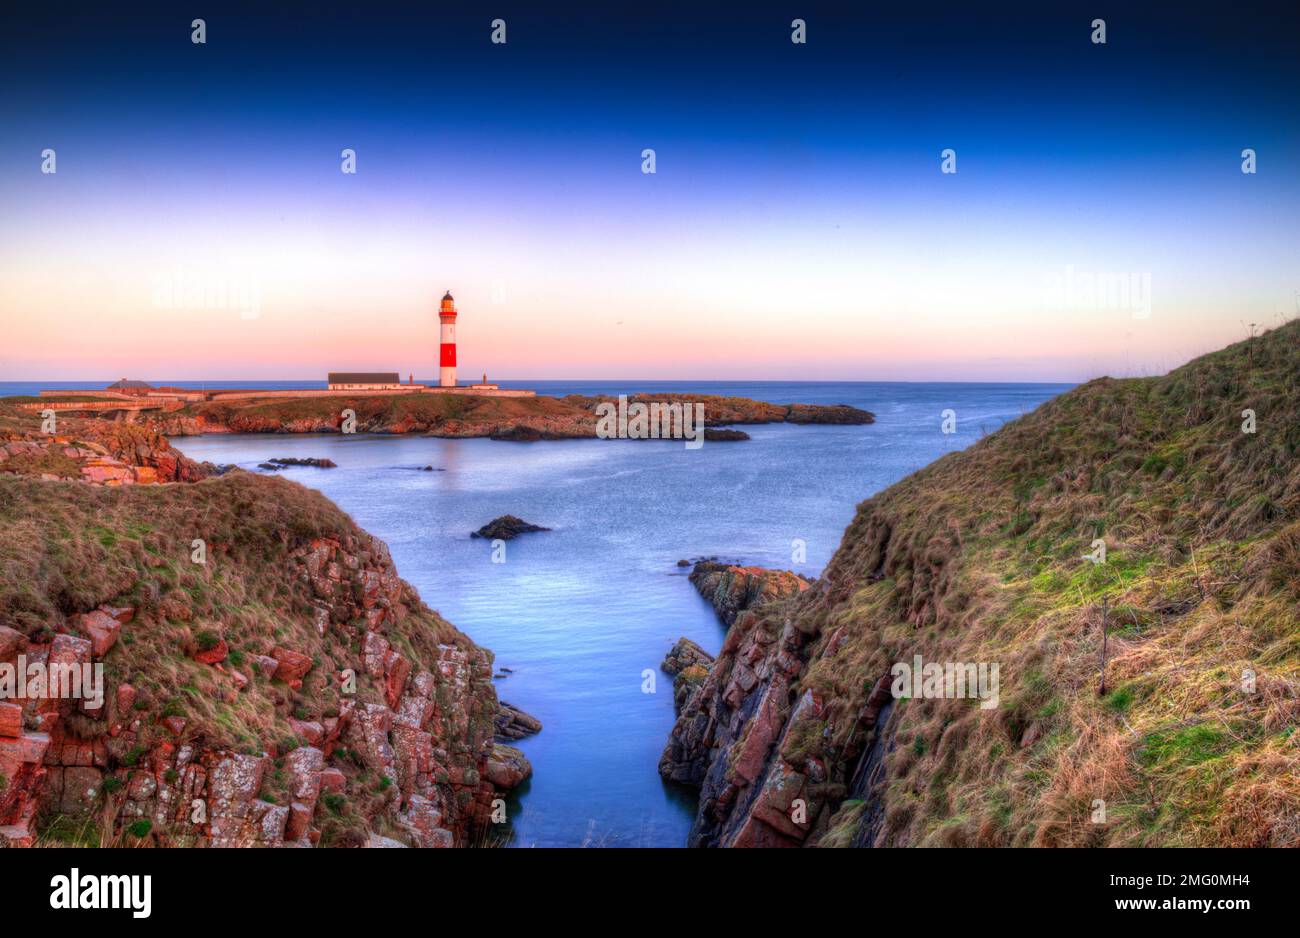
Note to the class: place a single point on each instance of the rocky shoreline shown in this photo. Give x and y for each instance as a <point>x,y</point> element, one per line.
<point>736,593</point>
<point>466,416</point>
<point>794,735</point>
<point>269,679</point>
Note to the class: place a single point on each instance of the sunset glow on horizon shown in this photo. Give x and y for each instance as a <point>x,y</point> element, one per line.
<point>797,226</point>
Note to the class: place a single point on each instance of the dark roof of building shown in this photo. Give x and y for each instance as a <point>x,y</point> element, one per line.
<point>364,377</point>
<point>126,383</point>
<point>447,295</point>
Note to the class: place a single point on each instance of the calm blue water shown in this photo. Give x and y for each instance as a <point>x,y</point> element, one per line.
<point>579,613</point>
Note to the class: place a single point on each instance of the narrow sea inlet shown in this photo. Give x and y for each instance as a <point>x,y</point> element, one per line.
<point>578,614</point>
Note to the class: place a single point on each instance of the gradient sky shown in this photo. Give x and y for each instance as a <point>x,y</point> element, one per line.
<point>798,225</point>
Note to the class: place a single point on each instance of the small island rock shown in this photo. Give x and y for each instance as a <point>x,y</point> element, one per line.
<point>506,527</point>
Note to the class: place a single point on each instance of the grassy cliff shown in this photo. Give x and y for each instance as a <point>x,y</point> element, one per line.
<point>979,558</point>
<point>269,678</point>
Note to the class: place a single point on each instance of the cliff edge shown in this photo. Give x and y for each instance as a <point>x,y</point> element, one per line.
<point>268,678</point>
<point>1145,532</point>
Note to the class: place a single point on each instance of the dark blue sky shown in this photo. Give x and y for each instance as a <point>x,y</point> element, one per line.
<point>865,75</point>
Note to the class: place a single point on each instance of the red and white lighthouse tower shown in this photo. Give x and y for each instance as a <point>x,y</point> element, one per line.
<point>447,352</point>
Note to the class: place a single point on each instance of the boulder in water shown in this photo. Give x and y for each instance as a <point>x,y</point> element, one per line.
<point>506,527</point>
<point>294,461</point>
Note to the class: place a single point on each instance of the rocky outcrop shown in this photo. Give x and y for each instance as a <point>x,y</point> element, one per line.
<point>708,695</point>
<point>295,692</point>
<point>733,589</point>
<point>685,654</point>
<point>689,665</point>
<point>723,411</point>
<point>65,456</point>
<point>512,723</point>
<point>507,767</point>
<point>307,461</point>
<point>506,527</point>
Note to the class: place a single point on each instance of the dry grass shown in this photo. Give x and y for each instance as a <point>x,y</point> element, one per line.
<point>977,558</point>
<point>69,547</point>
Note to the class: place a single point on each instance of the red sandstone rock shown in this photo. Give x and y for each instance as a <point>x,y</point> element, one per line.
<point>11,720</point>
<point>733,589</point>
<point>141,787</point>
<point>299,821</point>
<point>423,684</point>
<point>29,748</point>
<point>175,725</point>
<point>414,711</point>
<point>213,655</point>
<point>101,628</point>
<point>80,788</point>
<point>293,665</point>
<point>507,767</point>
<point>423,819</point>
<point>332,779</point>
<point>107,471</point>
<point>12,644</point>
<point>396,671</point>
<point>303,768</point>
<point>413,757</point>
<point>67,654</point>
<point>369,730</point>
<point>236,778</point>
<point>309,730</point>
<point>374,650</point>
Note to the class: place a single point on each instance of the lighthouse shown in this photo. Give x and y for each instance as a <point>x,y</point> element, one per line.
<point>447,352</point>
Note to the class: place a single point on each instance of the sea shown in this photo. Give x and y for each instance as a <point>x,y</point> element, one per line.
<point>580,617</point>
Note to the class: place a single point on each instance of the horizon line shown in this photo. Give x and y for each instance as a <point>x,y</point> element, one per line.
<point>252,383</point>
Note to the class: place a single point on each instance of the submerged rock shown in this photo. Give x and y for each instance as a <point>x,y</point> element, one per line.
<point>506,527</point>
<point>294,461</point>
<point>724,436</point>
<point>523,433</point>
<point>513,723</point>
